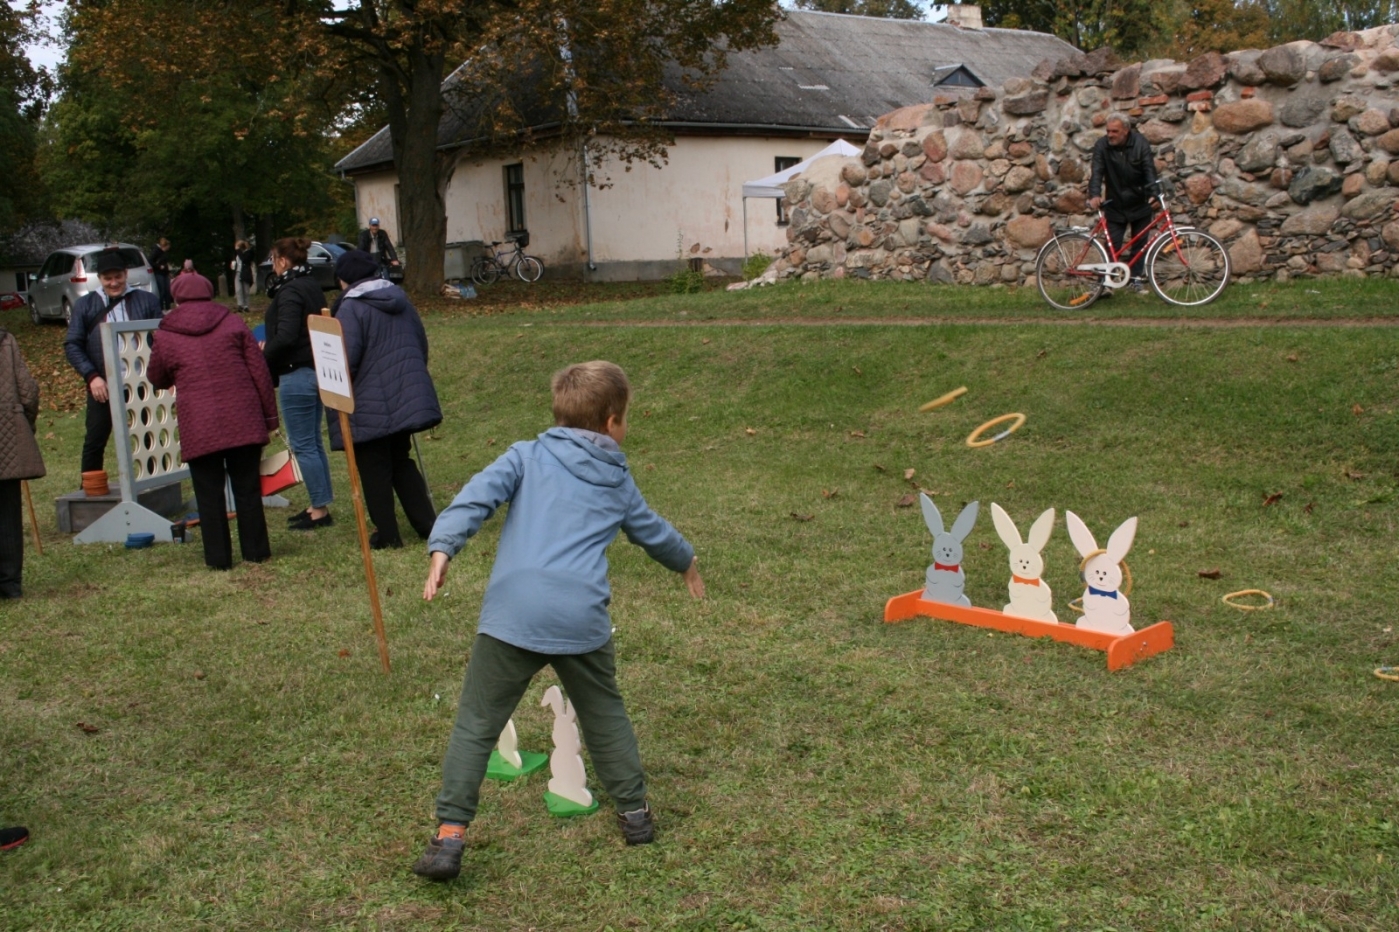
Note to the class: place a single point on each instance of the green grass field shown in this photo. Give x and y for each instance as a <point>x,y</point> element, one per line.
<point>811,767</point>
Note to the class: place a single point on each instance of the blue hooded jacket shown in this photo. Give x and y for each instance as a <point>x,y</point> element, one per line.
<point>568,497</point>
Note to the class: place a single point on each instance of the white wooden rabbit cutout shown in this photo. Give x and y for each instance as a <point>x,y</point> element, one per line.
<point>1105,608</point>
<point>567,778</point>
<point>1030,596</point>
<point>509,745</point>
<point>945,579</point>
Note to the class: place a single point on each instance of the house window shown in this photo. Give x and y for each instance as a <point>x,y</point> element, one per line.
<point>515,198</point>
<point>21,281</point>
<point>782,163</point>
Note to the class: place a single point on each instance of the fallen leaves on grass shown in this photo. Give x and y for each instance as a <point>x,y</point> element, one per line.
<point>1356,410</point>
<point>343,653</point>
<point>750,431</point>
<point>86,728</point>
<point>879,467</point>
<point>859,434</point>
<point>1352,474</point>
<point>1210,574</point>
<point>910,473</point>
<point>1272,499</point>
<point>802,517</point>
<point>829,493</point>
<point>1308,508</point>
<point>907,501</point>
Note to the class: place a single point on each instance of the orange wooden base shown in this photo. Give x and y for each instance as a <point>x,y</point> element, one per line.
<point>1122,651</point>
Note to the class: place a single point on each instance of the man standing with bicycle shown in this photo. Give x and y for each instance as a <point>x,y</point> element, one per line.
<point>376,242</point>
<point>1123,160</point>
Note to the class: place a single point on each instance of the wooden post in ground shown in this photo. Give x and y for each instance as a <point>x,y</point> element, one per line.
<point>333,380</point>
<point>33,521</point>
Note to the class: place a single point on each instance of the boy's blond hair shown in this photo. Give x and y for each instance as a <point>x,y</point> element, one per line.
<point>587,393</point>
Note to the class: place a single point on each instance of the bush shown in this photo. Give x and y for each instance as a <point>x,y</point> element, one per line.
<point>686,281</point>
<point>756,265</point>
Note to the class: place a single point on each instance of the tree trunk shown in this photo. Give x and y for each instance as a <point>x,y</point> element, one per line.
<point>423,211</point>
<point>239,228</point>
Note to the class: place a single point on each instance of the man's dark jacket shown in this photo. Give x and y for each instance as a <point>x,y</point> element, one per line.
<point>83,345</point>
<point>386,251</point>
<point>1130,173</point>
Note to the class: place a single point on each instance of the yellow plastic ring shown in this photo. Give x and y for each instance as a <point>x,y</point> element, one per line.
<point>1248,608</point>
<point>1076,604</point>
<point>945,399</point>
<point>1018,418</point>
<point>1388,673</point>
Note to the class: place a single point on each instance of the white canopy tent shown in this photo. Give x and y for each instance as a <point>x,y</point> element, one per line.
<point>771,186</point>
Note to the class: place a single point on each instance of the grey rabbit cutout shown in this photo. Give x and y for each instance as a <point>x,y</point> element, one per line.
<point>945,579</point>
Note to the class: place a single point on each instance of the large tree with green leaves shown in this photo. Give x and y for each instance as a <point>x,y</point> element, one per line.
<point>24,92</point>
<point>217,120</point>
<point>1129,26</point>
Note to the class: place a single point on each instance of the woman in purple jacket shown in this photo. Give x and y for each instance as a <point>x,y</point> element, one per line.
<point>225,409</point>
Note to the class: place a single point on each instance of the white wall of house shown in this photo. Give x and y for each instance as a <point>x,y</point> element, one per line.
<point>641,218</point>
<point>693,205</point>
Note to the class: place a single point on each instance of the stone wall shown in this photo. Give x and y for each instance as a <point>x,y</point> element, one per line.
<point>1290,156</point>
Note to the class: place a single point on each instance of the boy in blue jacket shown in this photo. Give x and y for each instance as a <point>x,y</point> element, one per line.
<point>546,603</point>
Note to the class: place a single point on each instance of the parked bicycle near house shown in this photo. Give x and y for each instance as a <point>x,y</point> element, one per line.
<point>487,269</point>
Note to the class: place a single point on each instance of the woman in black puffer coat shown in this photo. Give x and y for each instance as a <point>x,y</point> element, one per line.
<point>386,351</point>
<point>295,296</point>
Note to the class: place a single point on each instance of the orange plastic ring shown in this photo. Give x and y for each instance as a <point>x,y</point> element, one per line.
<point>1017,417</point>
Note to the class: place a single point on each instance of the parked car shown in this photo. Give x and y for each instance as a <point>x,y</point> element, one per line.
<point>321,257</point>
<point>10,300</point>
<point>68,274</point>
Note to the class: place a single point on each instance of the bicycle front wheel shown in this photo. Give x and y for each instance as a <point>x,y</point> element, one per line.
<point>528,269</point>
<point>485,270</point>
<point>1188,267</point>
<point>1058,271</point>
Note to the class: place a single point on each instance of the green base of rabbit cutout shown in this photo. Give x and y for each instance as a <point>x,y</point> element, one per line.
<point>567,808</point>
<point>501,769</point>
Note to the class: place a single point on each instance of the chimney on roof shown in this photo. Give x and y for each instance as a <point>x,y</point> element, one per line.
<point>964,15</point>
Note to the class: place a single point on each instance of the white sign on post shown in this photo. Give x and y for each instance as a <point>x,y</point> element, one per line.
<point>332,369</point>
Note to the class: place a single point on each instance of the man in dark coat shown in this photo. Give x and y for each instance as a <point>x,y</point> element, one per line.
<point>376,242</point>
<point>386,352</point>
<point>1123,160</point>
<point>117,301</point>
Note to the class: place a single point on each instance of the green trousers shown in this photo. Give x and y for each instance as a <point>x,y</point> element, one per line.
<point>497,676</point>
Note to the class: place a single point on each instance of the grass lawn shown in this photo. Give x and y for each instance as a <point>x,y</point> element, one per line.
<point>245,765</point>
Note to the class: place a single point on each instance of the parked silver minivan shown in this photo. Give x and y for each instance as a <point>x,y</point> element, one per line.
<point>69,273</point>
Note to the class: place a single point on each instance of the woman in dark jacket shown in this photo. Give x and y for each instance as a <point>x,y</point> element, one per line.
<point>225,408</point>
<point>19,459</point>
<point>386,351</point>
<point>295,296</point>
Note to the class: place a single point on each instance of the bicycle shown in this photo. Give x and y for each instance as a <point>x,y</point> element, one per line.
<point>487,269</point>
<point>1185,266</point>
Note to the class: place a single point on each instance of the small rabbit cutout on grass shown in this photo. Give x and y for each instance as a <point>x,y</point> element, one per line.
<point>509,745</point>
<point>945,579</point>
<point>568,779</point>
<point>1030,596</point>
<point>1105,608</point>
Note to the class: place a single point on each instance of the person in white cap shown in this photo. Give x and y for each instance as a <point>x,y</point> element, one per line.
<point>376,242</point>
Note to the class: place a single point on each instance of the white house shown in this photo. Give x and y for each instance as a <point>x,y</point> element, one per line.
<point>829,77</point>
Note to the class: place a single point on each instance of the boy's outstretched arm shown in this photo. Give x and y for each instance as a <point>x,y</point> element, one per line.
<point>437,575</point>
<point>692,579</point>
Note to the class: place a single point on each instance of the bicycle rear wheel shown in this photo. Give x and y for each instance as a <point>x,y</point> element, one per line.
<point>528,269</point>
<point>1188,268</point>
<point>485,270</point>
<point>1058,274</point>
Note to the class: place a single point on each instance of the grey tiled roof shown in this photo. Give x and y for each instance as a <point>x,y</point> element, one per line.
<point>829,73</point>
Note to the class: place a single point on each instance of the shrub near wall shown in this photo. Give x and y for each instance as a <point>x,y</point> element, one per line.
<point>1290,156</point>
